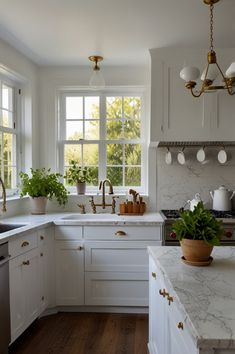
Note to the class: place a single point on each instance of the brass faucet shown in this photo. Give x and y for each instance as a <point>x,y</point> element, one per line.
<point>103,204</point>
<point>102,187</point>
<point>82,207</point>
<point>4,198</point>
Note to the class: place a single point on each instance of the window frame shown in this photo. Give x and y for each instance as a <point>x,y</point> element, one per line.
<point>112,92</point>
<point>15,130</point>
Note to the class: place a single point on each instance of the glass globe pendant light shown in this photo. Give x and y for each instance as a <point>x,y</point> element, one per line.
<point>97,80</point>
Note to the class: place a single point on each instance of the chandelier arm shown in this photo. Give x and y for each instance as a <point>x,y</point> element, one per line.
<point>231,92</point>
<point>199,94</point>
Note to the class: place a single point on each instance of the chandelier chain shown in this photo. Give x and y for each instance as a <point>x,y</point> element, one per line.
<point>211,26</point>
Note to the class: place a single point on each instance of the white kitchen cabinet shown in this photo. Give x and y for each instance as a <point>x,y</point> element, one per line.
<point>24,291</point>
<point>168,328</point>
<point>47,267</point>
<point>69,273</point>
<point>116,264</point>
<point>175,114</point>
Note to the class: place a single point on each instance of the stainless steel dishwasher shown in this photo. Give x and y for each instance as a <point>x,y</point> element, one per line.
<point>4,299</point>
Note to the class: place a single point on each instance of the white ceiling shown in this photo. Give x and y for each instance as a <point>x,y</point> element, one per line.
<point>66,32</point>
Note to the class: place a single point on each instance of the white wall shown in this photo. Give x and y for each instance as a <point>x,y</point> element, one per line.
<point>18,67</point>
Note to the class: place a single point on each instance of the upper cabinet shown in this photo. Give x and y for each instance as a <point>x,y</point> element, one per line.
<point>175,113</point>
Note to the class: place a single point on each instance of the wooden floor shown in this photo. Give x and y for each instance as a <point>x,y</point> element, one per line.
<point>85,333</point>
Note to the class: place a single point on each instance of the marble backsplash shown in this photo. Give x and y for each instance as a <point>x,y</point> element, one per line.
<point>178,183</point>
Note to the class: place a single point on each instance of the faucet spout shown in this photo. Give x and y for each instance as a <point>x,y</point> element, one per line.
<point>102,187</point>
<point>4,199</point>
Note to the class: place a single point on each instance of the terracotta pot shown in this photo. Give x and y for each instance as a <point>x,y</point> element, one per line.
<point>38,205</point>
<point>196,250</point>
<point>81,188</point>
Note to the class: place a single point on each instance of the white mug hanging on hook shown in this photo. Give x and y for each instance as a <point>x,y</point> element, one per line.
<point>222,156</point>
<point>181,157</point>
<point>168,157</point>
<point>201,155</point>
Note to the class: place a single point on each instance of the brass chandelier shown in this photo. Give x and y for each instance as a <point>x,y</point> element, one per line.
<point>212,70</point>
<point>97,81</point>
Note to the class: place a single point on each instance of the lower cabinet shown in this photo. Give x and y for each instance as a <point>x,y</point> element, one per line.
<point>31,278</point>
<point>168,327</point>
<point>69,273</point>
<point>24,291</point>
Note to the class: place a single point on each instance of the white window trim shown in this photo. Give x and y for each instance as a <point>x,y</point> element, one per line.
<point>17,130</point>
<point>62,92</point>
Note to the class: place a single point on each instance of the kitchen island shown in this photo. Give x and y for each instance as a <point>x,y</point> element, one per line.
<point>192,309</point>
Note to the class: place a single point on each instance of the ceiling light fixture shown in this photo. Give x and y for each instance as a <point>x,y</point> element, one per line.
<point>97,80</point>
<point>212,70</point>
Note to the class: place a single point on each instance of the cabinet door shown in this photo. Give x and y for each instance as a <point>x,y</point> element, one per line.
<point>69,273</point>
<point>157,304</point>
<point>24,291</point>
<point>47,267</point>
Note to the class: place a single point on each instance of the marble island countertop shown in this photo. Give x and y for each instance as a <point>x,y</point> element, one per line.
<point>206,295</point>
<point>32,222</point>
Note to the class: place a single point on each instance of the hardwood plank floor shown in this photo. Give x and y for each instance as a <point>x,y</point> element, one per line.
<point>85,333</point>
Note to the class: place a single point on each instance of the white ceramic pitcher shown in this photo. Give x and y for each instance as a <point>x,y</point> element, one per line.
<point>222,199</point>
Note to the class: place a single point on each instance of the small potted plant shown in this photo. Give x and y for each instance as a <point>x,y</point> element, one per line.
<point>198,231</point>
<point>41,186</point>
<point>79,176</point>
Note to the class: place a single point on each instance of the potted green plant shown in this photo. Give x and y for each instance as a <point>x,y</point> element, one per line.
<point>41,186</point>
<point>79,176</point>
<point>198,231</point>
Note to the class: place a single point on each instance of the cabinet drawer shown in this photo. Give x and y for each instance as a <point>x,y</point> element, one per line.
<point>68,232</point>
<point>116,289</point>
<point>117,256</point>
<point>23,244</point>
<point>122,232</point>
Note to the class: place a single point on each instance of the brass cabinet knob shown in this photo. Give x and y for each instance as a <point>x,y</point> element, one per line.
<point>180,325</point>
<point>80,248</point>
<point>163,292</point>
<point>24,244</point>
<point>26,263</point>
<point>41,237</point>
<point>41,254</point>
<point>170,299</point>
<point>154,275</point>
<point>120,233</point>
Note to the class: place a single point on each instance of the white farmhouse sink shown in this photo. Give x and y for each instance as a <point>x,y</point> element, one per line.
<point>84,217</point>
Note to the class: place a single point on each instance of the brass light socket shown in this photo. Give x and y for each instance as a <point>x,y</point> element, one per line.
<point>210,2</point>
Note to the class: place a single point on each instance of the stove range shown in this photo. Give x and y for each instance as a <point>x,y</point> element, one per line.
<point>172,214</point>
<point>175,214</point>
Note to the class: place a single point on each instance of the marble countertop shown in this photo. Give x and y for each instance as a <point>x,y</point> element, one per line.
<point>32,222</point>
<point>206,295</point>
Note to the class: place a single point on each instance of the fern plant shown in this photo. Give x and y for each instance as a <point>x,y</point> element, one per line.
<point>198,224</point>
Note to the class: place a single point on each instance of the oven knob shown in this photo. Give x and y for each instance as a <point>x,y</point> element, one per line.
<point>228,234</point>
<point>173,235</point>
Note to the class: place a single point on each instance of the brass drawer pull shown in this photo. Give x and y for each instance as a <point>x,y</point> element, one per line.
<point>181,325</point>
<point>25,243</point>
<point>41,237</point>
<point>170,299</point>
<point>80,248</point>
<point>154,275</point>
<point>163,292</point>
<point>26,263</point>
<point>120,233</point>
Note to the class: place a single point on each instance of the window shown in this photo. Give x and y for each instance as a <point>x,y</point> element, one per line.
<point>8,135</point>
<point>103,132</point>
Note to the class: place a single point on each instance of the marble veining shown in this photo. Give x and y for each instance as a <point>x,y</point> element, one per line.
<point>206,295</point>
<point>33,222</point>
